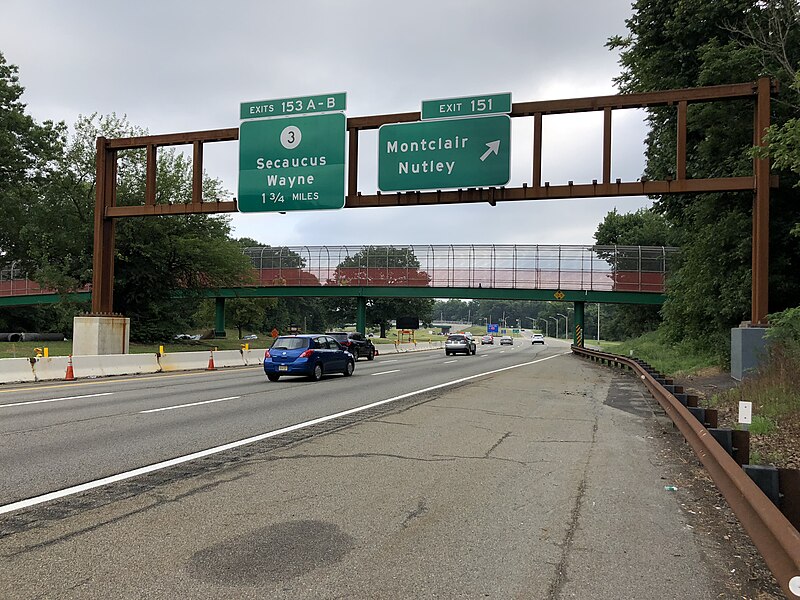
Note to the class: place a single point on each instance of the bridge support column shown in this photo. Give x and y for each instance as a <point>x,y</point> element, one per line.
<point>219,318</point>
<point>361,314</point>
<point>577,336</point>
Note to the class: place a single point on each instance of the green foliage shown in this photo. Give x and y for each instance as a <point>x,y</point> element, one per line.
<point>29,155</point>
<point>761,425</point>
<point>382,266</point>
<point>682,358</point>
<point>686,44</point>
<point>644,227</point>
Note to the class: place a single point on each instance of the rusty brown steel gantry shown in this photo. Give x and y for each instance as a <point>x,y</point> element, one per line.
<point>106,209</point>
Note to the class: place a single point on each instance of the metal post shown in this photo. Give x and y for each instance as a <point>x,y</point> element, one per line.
<point>219,318</point>
<point>760,278</point>
<point>566,324</point>
<point>577,339</point>
<point>556,320</point>
<point>103,256</point>
<point>361,314</point>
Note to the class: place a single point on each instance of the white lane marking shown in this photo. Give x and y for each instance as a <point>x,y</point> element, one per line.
<point>390,360</point>
<point>55,399</point>
<point>386,372</point>
<point>447,362</point>
<point>153,410</point>
<point>89,485</point>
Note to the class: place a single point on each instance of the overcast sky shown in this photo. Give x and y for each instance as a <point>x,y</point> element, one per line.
<point>174,66</point>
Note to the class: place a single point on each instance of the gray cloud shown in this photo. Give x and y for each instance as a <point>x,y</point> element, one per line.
<point>186,65</point>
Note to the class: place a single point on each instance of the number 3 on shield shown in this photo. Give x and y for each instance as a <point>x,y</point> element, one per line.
<point>290,137</point>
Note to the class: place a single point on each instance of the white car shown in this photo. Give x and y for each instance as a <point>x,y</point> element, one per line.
<point>537,338</point>
<point>506,340</point>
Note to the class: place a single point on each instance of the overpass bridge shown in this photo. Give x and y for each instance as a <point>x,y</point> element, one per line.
<point>576,273</point>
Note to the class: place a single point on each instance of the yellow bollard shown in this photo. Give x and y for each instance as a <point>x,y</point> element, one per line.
<point>161,350</point>
<point>46,351</point>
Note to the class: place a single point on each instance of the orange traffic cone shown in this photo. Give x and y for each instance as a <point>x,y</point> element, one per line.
<point>211,366</point>
<point>70,376</point>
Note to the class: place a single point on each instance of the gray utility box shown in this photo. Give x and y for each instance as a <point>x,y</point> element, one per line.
<point>748,349</point>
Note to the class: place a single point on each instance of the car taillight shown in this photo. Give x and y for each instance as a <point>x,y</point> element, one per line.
<point>266,354</point>
<point>307,353</point>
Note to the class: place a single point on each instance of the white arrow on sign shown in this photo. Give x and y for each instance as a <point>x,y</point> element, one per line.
<point>493,147</point>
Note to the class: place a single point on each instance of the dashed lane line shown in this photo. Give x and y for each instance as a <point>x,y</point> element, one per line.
<point>55,400</point>
<point>155,410</point>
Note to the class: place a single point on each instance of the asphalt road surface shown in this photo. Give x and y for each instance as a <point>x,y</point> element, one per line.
<point>534,474</point>
<point>57,435</point>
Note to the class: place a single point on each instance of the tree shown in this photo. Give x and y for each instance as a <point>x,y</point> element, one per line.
<point>29,154</point>
<point>686,44</point>
<point>381,266</point>
<point>644,227</point>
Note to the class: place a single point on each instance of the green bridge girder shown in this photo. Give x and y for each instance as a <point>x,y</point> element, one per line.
<point>329,291</point>
<point>362,293</point>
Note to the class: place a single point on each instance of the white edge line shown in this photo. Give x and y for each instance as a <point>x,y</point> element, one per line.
<point>89,485</point>
<point>55,399</point>
<point>386,372</point>
<point>153,410</point>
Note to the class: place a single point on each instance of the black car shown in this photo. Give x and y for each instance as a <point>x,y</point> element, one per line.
<point>355,343</point>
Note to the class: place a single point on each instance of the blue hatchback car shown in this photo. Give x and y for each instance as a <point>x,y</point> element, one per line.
<point>312,355</point>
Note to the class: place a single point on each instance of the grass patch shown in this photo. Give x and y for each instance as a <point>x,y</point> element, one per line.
<point>679,359</point>
<point>773,390</point>
<point>762,425</point>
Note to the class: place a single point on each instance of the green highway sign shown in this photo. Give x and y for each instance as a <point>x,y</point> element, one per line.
<point>449,153</point>
<point>292,163</point>
<point>292,106</point>
<point>467,106</point>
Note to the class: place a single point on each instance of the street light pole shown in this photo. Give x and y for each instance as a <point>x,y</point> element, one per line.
<point>556,320</point>
<point>566,324</point>
<point>546,327</point>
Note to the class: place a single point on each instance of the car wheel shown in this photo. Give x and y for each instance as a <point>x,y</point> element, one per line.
<point>349,368</point>
<point>446,353</point>
<point>316,374</point>
<point>273,376</point>
<point>371,355</point>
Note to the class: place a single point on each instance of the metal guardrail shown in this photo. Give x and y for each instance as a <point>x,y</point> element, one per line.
<point>775,537</point>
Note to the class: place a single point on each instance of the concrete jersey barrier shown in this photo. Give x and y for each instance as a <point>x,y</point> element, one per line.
<point>16,370</point>
<point>184,361</point>
<point>115,364</point>
<point>51,367</point>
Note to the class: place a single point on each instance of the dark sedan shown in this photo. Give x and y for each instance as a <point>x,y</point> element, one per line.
<point>312,355</point>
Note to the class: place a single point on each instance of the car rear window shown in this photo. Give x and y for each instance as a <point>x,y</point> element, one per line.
<point>456,338</point>
<point>290,343</point>
<point>339,337</point>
